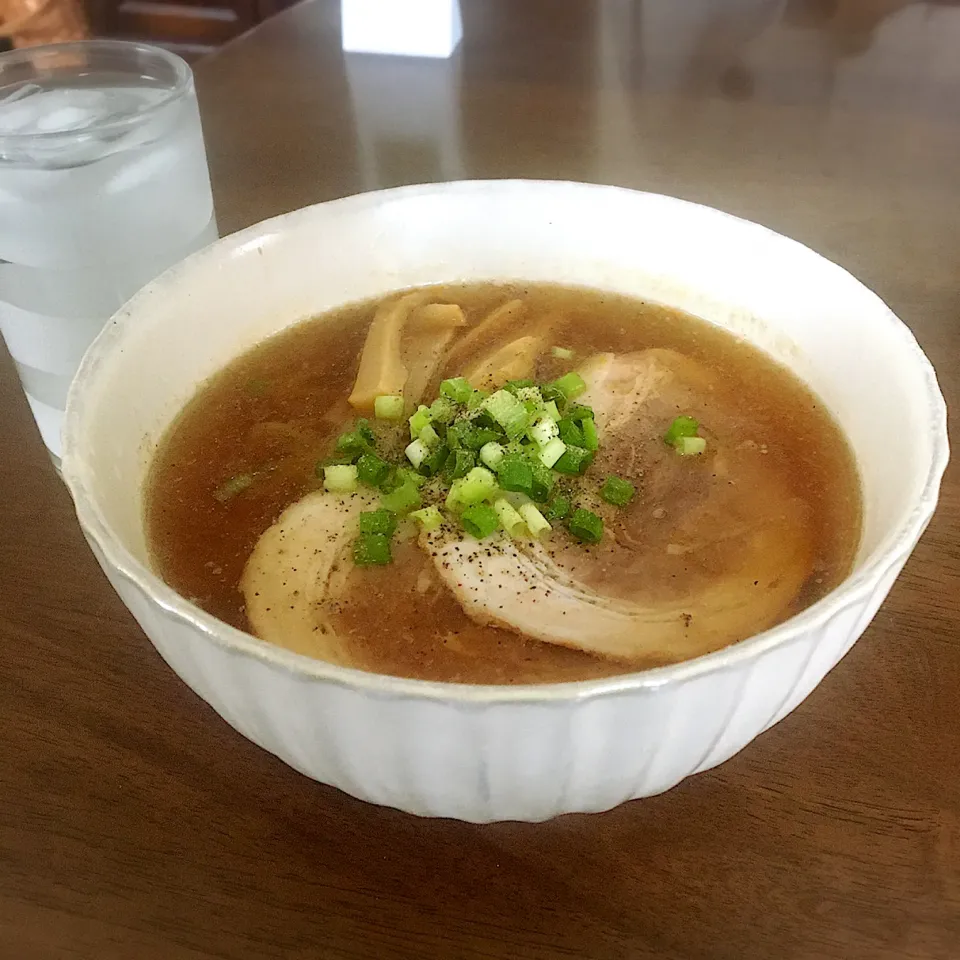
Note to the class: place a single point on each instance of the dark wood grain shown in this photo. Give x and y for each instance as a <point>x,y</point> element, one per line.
<point>135,824</point>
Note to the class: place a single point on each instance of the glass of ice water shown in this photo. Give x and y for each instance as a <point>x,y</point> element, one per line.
<point>103,185</point>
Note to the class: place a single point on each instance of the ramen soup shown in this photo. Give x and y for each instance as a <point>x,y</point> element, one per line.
<point>503,484</point>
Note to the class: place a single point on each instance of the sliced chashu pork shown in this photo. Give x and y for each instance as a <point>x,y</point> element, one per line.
<point>622,385</point>
<point>563,593</point>
<point>297,570</point>
<point>528,588</point>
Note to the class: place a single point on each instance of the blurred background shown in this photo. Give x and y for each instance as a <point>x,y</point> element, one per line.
<point>193,28</point>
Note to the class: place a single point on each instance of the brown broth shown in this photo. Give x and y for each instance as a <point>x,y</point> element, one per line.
<point>273,412</point>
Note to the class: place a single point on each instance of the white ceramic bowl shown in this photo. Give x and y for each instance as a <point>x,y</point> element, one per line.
<point>529,752</point>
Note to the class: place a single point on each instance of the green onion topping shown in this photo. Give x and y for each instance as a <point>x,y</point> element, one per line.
<point>378,521</point>
<point>388,407</point>
<point>683,426</point>
<point>340,478</point>
<point>403,499</point>
<point>557,509</point>
<point>371,549</point>
<point>429,518</point>
<point>690,446</point>
<point>488,460</point>
<point>616,491</point>
<point>510,518</point>
<point>586,526</point>
<point>230,488</point>
<point>372,470</point>
<point>479,520</point>
<point>516,475</point>
<point>571,385</point>
<point>574,461</point>
<point>456,389</point>
<point>508,412</point>
<point>459,464</point>
<point>537,524</point>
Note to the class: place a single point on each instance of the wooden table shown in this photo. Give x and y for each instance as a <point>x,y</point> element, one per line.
<point>135,824</point>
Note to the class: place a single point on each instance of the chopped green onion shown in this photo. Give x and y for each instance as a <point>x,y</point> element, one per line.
<point>515,475</point>
<point>530,394</point>
<point>388,407</point>
<point>515,386</point>
<point>491,454</point>
<point>419,420</point>
<point>362,426</point>
<point>683,426</point>
<point>509,412</point>
<point>591,441</point>
<point>536,522</point>
<point>553,452</point>
<point>459,464</point>
<point>574,461</point>
<point>476,399</point>
<point>482,418</point>
<point>378,521</point>
<point>336,460</point>
<point>571,385</point>
<point>457,433</point>
<point>543,431</point>
<point>341,478</point>
<point>371,549</point>
<point>403,499</point>
<point>429,518</point>
<point>392,480</point>
<point>570,433</point>
<point>429,437</point>
<point>562,353</point>
<point>551,411</point>
<point>405,475</point>
<point>456,389</point>
<point>551,394</point>
<point>585,525</point>
<point>479,484</point>
<point>352,445</point>
<point>533,408</point>
<point>435,462</point>
<point>479,520</point>
<point>230,488</point>
<point>578,412</point>
<point>442,410</point>
<point>417,452</point>
<point>690,446</point>
<point>479,437</point>
<point>372,470</point>
<point>543,481</point>
<point>510,519</point>
<point>618,492</point>
<point>557,508</point>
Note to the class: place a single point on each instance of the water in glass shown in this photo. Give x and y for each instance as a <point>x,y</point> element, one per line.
<point>103,185</point>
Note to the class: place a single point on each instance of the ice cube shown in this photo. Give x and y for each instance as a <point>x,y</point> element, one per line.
<point>34,109</point>
<point>44,111</point>
<point>18,93</point>
<point>14,113</point>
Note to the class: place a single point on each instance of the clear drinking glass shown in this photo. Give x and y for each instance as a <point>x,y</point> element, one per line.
<point>103,185</point>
